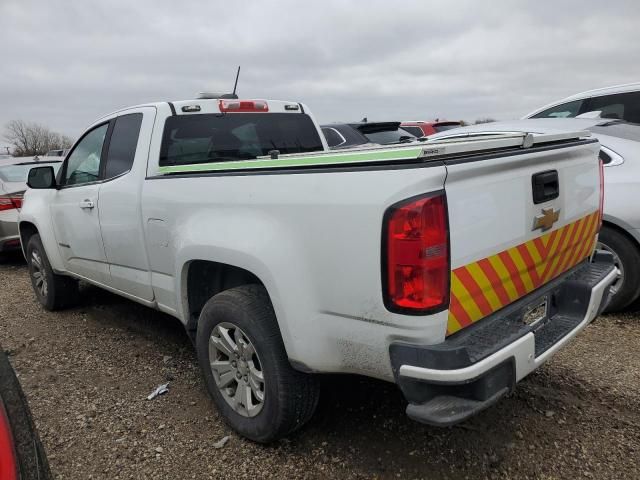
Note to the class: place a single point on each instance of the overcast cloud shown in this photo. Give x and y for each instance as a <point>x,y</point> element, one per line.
<point>65,63</point>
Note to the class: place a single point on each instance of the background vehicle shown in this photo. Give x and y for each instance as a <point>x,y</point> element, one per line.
<point>21,454</point>
<point>620,151</point>
<point>344,135</point>
<point>13,183</point>
<point>420,128</point>
<point>61,152</point>
<point>417,263</point>
<point>621,102</point>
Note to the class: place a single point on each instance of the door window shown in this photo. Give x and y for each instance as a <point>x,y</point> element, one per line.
<point>83,165</point>
<point>122,145</point>
<point>621,106</point>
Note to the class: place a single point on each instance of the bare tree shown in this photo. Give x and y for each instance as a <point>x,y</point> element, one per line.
<point>484,120</point>
<point>29,138</point>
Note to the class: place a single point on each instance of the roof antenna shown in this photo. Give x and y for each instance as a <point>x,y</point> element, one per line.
<point>235,85</point>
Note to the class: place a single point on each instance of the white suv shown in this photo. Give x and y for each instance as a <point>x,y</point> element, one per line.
<point>620,102</point>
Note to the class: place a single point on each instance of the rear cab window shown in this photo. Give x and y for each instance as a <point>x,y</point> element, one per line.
<point>204,138</point>
<point>564,110</point>
<point>417,131</point>
<point>441,127</point>
<point>387,136</point>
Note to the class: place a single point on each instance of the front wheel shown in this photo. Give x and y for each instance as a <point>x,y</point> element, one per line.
<point>626,289</point>
<point>53,291</point>
<point>246,368</point>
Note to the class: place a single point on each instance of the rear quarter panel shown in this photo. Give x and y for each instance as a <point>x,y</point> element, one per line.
<point>313,239</point>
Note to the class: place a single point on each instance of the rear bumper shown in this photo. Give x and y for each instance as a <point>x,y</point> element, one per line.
<point>9,235</point>
<point>474,368</point>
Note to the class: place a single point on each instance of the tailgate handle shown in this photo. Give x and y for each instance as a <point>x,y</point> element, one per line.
<point>545,186</point>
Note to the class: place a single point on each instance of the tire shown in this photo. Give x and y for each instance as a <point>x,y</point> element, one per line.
<point>290,397</point>
<point>627,257</point>
<point>59,291</point>
<point>31,458</point>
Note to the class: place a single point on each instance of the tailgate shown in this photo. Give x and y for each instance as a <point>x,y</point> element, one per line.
<point>504,242</point>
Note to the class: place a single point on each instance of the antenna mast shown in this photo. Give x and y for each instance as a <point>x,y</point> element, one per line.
<point>236,84</point>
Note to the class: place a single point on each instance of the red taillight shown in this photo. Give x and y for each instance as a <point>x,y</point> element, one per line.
<point>243,106</point>
<point>416,246</point>
<point>8,463</point>
<point>9,202</point>
<point>601,214</point>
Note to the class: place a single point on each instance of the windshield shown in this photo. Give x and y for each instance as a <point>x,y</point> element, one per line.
<point>189,139</point>
<point>19,172</point>
<point>445,126</point>
<point>386,137</point>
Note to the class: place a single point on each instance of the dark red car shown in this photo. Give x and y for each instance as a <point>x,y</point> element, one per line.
<point>425,128</point>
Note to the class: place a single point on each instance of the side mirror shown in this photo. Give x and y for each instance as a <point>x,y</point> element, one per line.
<point>41,177</point>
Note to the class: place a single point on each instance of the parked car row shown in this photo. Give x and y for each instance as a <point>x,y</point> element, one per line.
<point>348,135</point>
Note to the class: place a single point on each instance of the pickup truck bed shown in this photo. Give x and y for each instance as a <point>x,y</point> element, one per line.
<point>417,263</point>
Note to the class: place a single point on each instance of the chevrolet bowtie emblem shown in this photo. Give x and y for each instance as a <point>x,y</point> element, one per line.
<point>547,219</point>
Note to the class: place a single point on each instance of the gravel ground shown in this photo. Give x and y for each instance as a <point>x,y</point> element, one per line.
<point>87,372</point>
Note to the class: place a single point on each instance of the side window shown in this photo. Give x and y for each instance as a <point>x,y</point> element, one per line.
<point>83,165</point>
<point>417,131</point>
<point>334,138</point>
<point>122,145</point>
<point>565,110</point>
<point>621,106</point>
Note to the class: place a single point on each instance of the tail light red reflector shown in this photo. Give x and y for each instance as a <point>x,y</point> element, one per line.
<point>601,214</point>
<point>10,202</point>
<point>416,250</point>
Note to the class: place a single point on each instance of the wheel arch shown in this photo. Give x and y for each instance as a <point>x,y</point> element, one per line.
<point>621,227</point>
<point>27,230</point>
<point>202,279</point>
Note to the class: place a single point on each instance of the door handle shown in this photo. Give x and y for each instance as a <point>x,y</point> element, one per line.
<point>545,186</point>
<point>87,204</point>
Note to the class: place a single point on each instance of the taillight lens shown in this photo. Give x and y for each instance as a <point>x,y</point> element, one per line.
<point>416,251</point>
<point>10,202</point>
<point>8,463</point>
<point>601,212</point>
<point>243,106</point>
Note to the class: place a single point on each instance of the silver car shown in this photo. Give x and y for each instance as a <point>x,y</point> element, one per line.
<point>13,183</point>
<point>620,151</point>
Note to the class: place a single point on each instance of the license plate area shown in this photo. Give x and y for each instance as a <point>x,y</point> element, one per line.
<point>537,312</point>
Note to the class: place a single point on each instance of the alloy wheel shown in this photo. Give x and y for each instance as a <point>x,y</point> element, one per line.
<point>237,369</point>
<point>38,273</point>
<point>615,287</point>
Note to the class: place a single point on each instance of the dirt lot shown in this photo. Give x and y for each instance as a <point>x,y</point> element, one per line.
<point>87,372</point>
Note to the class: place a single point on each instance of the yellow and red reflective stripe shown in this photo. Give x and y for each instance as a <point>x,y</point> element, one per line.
<point>489,284</point>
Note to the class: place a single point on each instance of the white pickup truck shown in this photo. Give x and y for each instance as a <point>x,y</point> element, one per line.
<point>453,268</point>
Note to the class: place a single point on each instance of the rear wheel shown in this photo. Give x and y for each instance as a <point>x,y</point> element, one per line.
<point>53,291</point>
<point>626,289</point>
<point>246,368</point>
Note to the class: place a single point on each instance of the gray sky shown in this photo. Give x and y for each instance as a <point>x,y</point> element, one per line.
<point>65,63</point>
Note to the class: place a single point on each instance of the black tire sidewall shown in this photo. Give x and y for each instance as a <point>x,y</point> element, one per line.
<point>629,256</point>
<point>35,243</point>
<point>267,343</point>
